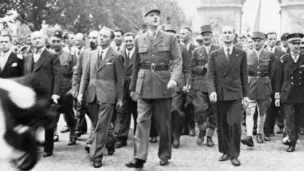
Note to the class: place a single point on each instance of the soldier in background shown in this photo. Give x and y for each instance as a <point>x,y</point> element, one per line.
<point>203,108</point>
<point>152,86</point>
<point>260,63</point>
<point>289,89</point>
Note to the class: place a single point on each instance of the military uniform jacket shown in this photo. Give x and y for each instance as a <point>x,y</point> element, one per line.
<point>260,74</point>
<point>200,59</point>
<point>163,49</point>
<point>290,79</point>
<point>228,79</point>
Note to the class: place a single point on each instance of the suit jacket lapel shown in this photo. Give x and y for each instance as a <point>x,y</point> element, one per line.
<point>222,57</point>
<point>8,62</point>
<point>43,57</point>
<point>298,64</point>
<point>131,60</point>
<point>104,60</point>
<point>233,58</point>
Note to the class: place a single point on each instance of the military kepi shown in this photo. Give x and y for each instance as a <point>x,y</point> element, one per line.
<point>58,34</point>
<point>206,29</point>
<point>258,35</point>
<point>295,37</point>
<point>149,8</point>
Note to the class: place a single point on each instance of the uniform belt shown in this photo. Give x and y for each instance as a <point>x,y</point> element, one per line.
<point>258,75</point>
<point>154,67</point>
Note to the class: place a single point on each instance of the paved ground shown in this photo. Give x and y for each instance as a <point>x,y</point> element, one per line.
<point>270,156</point>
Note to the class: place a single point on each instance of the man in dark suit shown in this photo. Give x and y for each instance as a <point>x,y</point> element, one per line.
<point>204,110</point>
<point>103,80</point>
<point>179,99</point>
<point>129,106</point>
<point>152,85</point>
<point>82,109</point>
<point>289,89</point>
<point>189,126</point>
<point>228,86</point>
<point>11,65</point>
<point>47,65</point>
<point>274,114</point>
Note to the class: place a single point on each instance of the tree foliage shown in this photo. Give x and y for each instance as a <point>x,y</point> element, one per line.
<point>83,15</point>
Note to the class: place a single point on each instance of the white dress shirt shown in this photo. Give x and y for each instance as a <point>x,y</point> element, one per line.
<point>130,53</point>
<point>103,52</point>
<point>4,58</point>
<point>208,48</point>
<point>37,55</point>
<point>295,57</point>
<point>226,47</point>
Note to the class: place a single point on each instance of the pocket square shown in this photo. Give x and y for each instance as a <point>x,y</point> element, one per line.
<point>302,66</point>
<point>109,63</point>
<point>14,64</point>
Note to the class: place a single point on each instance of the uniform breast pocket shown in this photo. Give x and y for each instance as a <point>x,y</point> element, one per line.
<point>140,82</point>
<point>163,49</point>
<point>142,50</point>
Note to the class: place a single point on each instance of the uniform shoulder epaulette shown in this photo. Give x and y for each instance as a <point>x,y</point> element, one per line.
<point>283,57</point>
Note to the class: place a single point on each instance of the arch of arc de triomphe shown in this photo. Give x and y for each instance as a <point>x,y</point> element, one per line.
<point>229,12</point>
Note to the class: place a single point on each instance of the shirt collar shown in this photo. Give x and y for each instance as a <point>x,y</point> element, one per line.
<point>131,51</point>
<point>104,51</point>
<point>151,33</point>
<point>226,47</point>
<point>294,56</point>
<point>40,50</point>
<point>6,54</point>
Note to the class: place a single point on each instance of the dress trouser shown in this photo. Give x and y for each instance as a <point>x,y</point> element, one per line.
<point>229,118</point>
<point>123,120</point>
<point>178,116</point>
<point>160,109</point>
<point>294,116</point>
<point>101,115</point>
<point>274,114</point>
<point>189,115</point>
<point>66,107</point>
<point>81,110</point>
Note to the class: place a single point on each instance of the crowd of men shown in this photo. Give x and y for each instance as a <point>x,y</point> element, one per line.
<point>167,84</point>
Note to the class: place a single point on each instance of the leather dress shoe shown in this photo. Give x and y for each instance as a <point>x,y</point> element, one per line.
<point>280,131</point>
<point>153,140</point>
<point>120,144</point>
<point>235,161</point>
<point>97,164</point>
<point>291,149</point>
<point>175,143</point>
<point>65,129</point>
<point>259,138</point>
<point>199,140</point>
<point>137,163</point>
<point>248,141</point>
<point>47,154</point>
<point>56,138</point>
<point>210,142</point>
<point>87,148</point>
<point>192,132</point>
<point>72,141</point>
<point>164,162</point>
<point>267,138</point>
<point>224,157</point>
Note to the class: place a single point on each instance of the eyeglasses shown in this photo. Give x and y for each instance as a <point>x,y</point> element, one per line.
<point>56,41</point>
<point>199,40</point>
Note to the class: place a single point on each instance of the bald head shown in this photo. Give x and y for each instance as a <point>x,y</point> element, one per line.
<point>39,39</point>
<point>93,39</point>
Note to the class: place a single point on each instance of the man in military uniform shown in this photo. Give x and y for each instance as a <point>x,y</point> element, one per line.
<point>203,108</point>
<point>179,98</point>
<point>67,62</point>
<point>260,63</point>
<point>289,89</point>
<point>152,85</point>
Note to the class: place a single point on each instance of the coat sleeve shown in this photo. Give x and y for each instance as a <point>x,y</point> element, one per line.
<point>56,68</point>
<point>77,74</point>
<point>119,74</point>
<point>186,66</point>
<point>244,75</point>
<point>211,73</point>
<point>177,62</point>
<point>85,77</point>
<point>135,67</point>
<point>279,75</point>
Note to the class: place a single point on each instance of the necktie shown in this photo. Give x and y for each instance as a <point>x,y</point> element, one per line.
<point>118,49</point>
<point>100,57</point>
<point>128,58</point>
<point>228,54</point>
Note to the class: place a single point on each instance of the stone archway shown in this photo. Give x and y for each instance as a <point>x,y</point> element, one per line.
<point>229,12</point>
